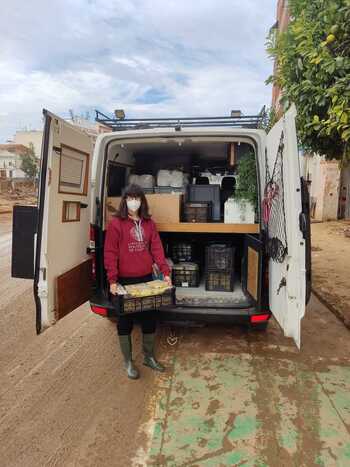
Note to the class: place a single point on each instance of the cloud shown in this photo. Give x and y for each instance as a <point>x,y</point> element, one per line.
<point>150,57</point>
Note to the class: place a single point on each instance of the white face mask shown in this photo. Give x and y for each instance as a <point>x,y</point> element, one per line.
<point>133,204</point>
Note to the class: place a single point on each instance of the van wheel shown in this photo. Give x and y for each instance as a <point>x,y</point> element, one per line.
<point>260,327</point>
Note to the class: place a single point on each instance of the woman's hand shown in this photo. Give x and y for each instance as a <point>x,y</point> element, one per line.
<point>113,289</point>
<point>167,279</point>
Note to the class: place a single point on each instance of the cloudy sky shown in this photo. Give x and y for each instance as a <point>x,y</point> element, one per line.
<point>150,57</point>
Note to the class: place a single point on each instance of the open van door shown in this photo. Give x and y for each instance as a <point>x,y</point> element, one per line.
<point>62,267</point>
<point>284,226</point>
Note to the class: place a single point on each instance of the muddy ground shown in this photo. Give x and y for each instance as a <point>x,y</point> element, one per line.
<point>331,266</point>
<point>229,396</point>
<point>24,194</point>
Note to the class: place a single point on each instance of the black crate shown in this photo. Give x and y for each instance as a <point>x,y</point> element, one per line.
<point>219,281</point>
<point>125,304</point>
<point>206,194</point>
<point>197,212</point>
<point>219,257</point>
<point>185,275</point>
<point>182,251</point>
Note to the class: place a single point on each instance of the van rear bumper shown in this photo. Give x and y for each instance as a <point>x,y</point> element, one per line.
<point>207,315</point>
<point>104,307</point>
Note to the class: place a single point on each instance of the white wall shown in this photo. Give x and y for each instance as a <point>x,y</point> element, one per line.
<point>26,137</point>
<point>11,163</point>
<point>324,188</point>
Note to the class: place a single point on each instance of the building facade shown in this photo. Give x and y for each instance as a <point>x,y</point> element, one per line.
<point>11,161</point>
<point>26,137</point>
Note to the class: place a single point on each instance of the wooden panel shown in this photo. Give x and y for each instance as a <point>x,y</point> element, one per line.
<point>164,207</point>
<point>208,227</point>
<point>232,154</point>
<point>71,211</point>
<point>73,288</point>
<point>253,270</point>
<point>173,206</point>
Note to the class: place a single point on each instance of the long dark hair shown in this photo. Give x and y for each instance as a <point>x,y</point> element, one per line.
<point>137,192</point>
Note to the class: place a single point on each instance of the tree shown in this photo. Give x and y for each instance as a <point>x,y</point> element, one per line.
<point>269,118</point>
<point>313,69</point>
<point>29,163</point>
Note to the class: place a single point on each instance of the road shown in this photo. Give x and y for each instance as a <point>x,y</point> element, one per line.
<point>229,396</point>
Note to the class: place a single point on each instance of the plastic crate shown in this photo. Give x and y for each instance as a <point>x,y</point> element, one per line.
<point>185,275</point>
<point>206,194</point>
<point>219,281</point>
<point>125,305</point>
<point>219,257</point>
<point>197,212</point>
<point>182,252</point>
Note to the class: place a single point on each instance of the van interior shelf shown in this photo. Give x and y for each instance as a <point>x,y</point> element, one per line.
<point>212,227</point>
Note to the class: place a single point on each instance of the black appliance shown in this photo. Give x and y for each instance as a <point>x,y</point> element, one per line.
<point>206,193</point>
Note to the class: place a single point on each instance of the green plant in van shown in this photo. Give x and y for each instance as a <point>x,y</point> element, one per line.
<point>247,179</point>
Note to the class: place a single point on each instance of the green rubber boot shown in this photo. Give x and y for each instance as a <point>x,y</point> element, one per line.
<point>126,349</point>
<point>148,351</point>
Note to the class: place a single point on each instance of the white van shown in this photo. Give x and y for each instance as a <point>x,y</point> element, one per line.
<point>65,232</point>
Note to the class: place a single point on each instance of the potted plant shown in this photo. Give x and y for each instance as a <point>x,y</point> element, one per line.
<point>244,200</point>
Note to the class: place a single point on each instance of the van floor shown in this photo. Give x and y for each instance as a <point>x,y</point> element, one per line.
<point>199,297</point>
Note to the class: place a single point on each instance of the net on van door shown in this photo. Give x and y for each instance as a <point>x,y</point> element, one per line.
<point>273,208</point>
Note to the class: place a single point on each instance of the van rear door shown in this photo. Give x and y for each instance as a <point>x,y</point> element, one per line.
<point>284,226</point>
<point>62,270</point>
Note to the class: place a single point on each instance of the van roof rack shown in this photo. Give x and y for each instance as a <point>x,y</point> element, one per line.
<point>122,124</point>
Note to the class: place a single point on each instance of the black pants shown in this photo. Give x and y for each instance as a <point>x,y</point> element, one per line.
<point>146,319</point>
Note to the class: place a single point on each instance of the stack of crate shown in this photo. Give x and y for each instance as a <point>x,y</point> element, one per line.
<point>219,267</point>
<point>185,272</point>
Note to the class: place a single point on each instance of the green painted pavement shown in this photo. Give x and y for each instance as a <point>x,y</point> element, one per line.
<point>224,410</point>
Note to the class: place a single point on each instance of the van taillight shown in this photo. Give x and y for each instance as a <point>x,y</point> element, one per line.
<point>259,318</point>
<point>99,310</point>
<point>92,251</point>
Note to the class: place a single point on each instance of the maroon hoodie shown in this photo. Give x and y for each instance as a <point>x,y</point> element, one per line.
<point>131,248</point>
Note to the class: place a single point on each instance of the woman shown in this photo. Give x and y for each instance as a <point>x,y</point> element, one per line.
<point>132,245</point>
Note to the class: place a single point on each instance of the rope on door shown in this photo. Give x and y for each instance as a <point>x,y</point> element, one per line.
<point>274,217</point>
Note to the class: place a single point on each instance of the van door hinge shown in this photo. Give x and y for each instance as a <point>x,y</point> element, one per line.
<point>283,283</point>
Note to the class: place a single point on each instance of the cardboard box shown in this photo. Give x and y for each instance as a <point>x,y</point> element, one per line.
<point>165,208</point>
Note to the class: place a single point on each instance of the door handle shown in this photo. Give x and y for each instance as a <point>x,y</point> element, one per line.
<point>283,283</point>
<point>303,224</point>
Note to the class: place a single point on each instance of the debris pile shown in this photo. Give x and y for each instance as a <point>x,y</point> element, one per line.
<point>24,194</point>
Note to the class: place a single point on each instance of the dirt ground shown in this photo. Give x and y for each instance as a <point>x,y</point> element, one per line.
<point>24,195</point>
<point>331,266</point>
<point>229,396</point>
